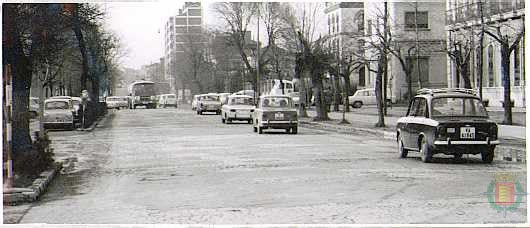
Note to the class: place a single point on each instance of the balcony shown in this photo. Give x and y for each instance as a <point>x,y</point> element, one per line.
<point>472,11</point>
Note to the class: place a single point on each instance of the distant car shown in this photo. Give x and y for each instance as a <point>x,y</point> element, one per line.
<point>34,107</point>
<point>296,98</point>
<point>245,92</point>
<point>58,112</point>
<point>76,104</point>
<point>224,97</point>
<point>448,121</point>
<point>194,102</point>
<point>239,107</point>
<point>117,102</point>
<point>367,97</point>
<point>166,100</point>
<point>275,112</point>
<point>208,103</point>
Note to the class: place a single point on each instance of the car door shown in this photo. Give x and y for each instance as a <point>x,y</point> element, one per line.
<point>417,125</point>
<point>406,124</point>
<point>370,97</point>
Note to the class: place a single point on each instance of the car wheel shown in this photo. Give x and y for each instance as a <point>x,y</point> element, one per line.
<point>288,130</point>
<point>425,152</point>
<point>260,130</point>
<point>255,129</point>
<point>357,104</point>
<point>229,120</point>
<point>401,149</point>
<point>249,121</point>
<point>488,155</point>
<point>223,120</point>
<point>294,130</point>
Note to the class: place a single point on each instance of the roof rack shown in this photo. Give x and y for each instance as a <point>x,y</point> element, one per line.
<point>446,90</point>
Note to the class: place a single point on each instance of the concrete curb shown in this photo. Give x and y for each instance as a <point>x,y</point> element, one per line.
<point>94,125</point>
<point>502,152</point>
<point>23,195</point>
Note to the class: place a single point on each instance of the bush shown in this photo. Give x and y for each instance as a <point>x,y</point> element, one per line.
<point>36,160</point>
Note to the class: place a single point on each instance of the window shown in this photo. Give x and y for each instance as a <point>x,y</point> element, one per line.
<point>418,107</point>
<point>194,21</point>
<point>181,29</point>
<point>194,12</point>
<point>181,21</point>
<point>491,69</point>
<point>419,72</point>
<point>516,66</point>
<point>362,81</point>
<point>422,20</point>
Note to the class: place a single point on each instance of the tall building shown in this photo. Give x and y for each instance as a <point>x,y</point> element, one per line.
<point>345,24</point>
<point>178,30</point>
<point>468,16</point>
<point>418,28</point>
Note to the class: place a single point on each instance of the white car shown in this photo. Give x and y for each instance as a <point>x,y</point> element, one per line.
<point>58,112</point>
<point>239,107</point>
<point>208,103</point>
<point>34,106</point>
<point>224,97</point>
<point>245,92</point>
<point>167,100</point>
<point>296,98</point>
<point>117,102</point>
<point>275,112</point>
<point>367,97</point>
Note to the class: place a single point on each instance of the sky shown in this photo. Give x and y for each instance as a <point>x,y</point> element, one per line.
<point>140,27</point>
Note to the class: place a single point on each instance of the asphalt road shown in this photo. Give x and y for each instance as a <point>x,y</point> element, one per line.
<point>173,166</point>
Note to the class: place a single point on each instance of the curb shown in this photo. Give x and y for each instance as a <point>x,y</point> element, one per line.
<point>94,125</point>
<point>502,152</point>
<point>23,195</point>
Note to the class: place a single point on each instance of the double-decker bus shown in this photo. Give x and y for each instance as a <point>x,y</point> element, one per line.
<point>142,93</point>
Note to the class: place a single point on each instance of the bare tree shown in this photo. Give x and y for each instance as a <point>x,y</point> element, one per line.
<point>508,38</point>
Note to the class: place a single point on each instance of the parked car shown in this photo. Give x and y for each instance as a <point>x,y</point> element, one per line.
<point>167,100</point>
<point>367,97</point>
<point>448,121</point>
<point>208,103</point>
<point>76,104</point>
<point>239,107</point>
<point>34,106</point>
<point>275,112</point>
<point>195,101</point>
<point>296,98</point>
<point>58,112</point>
<point>224,97</point>
<point>116,102</point>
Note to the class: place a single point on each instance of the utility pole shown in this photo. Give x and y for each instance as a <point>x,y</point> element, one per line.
<point>385,58</point>
<point>8,110</point>
<point>257,92</point>
<point>417,43</point>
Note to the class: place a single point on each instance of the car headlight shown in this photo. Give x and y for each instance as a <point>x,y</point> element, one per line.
<point>440,131</point>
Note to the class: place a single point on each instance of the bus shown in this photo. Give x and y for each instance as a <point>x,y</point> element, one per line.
<point>277,87</point>
<point>142,93</point>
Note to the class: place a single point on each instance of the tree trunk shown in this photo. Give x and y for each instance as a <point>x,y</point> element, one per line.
<point>300,75</point>
<point>379,92</point>
<point>465,75</point>
<point>408,74</point>
<point>347,90</point>
<point>336,93</point>
<point>505,53</point>
<point>316,79</point>
<point>21,73</point>
<point>82,48</point>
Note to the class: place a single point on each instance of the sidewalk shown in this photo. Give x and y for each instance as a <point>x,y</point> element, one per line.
<point>513,138</point>
<point>367,117</point>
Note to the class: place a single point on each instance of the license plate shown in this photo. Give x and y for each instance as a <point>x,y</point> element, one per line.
<point>467,132</point>
<point>278,116</point>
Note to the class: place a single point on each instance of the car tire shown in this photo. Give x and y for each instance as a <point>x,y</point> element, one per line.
<point>294,130</point>
<point>425,151</point>
<point>249,121</point>
<point>255,128</point>
<point>288,130</point>
<point>357,104</point>
<point>260,130</point>
<point>401,148</point>
<point>223,120</point>
<point>488,155</point>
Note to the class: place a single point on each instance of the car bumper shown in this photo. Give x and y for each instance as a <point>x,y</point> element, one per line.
<point>279,124</point>
<point>239,116</point>
<point>449,142</point>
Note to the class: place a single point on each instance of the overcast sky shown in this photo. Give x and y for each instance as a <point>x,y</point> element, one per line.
<point>140,26</point>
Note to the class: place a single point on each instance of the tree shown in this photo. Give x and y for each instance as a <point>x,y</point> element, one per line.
<point>192,61</point>
<point>459,50</point>
<point>508,43</point>
<point>312,57</point>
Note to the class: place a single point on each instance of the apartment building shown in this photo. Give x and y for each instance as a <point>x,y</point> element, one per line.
<point>179,31</point>
<point>418,28</point>
<point>469,17</point>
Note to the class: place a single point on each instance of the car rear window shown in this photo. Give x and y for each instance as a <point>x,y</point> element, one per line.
<point>458,107</point>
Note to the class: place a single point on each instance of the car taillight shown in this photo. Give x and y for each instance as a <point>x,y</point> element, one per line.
<point>441,131</point>
<point>493,131</point>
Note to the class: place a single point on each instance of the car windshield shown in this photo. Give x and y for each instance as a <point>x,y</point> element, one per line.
<point>57,105</point>
<point>458,106</point>
<point>209,98</point>
<point>276,102</point>
<point>241,101</point>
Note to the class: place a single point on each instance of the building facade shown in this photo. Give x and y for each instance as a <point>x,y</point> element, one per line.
<point>465,20</point>
<point>417,28</point>
<point>179,32</point>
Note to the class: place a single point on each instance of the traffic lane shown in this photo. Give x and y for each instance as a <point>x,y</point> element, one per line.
<point>172,166</point>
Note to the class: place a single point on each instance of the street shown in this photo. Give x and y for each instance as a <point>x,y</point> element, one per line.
<point>173,166</point>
